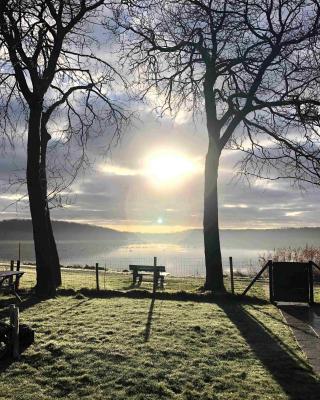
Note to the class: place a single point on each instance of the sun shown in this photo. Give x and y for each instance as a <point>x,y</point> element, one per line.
<point>169,167</point>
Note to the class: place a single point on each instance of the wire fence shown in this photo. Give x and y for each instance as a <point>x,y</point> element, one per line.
<point>114,274</point>
<point>185,266</point>
<point>175,266</point>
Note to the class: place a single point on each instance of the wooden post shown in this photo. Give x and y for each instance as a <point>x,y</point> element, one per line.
<point>311,298</point>
<point>231,275</point>
<point>11,269</point>
<point>155,275</point>
<point>271,280</point>
<point>14,322</point>
<point>97,277</point>
<point>134,276</point>
<point>16,284</point>
<point>19,251</point>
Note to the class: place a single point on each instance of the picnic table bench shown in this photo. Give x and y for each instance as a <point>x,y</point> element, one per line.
<point>7,281</point>
<point>140,271</point>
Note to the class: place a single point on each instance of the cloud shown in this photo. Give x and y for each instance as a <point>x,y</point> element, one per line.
<point>117,190</point>
<point>235,205</point>
<point>109,169</point>
<point>294,213</point>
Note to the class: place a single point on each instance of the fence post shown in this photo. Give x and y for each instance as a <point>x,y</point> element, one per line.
<point>97,277</point>
<point>310,271</point>
<point>11,269</point>
<point>231,275</point>
<point>270,263</point>
<point>14,322</point>
<point>17,278</point>
<point>155,275</point>
<point>19,251</point>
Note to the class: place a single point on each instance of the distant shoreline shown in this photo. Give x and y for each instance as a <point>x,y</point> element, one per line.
<point>25,224</point>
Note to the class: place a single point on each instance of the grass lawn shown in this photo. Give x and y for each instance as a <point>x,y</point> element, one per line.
<point>77,279</point>
<point>126,348</point>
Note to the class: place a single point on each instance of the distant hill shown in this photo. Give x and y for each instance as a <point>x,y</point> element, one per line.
<point>260,238</point>
<point>244,238</point>
<point>19,230</point>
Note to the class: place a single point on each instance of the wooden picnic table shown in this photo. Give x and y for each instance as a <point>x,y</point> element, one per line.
<point>11,284</point>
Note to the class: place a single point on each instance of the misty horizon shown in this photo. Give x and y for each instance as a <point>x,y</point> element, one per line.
<point>83,223</point>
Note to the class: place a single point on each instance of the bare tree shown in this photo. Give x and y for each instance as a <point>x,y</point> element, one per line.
<point>52,77</point>
<point>251,66</point>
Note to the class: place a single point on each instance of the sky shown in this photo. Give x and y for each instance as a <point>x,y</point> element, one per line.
<point>152,181</point>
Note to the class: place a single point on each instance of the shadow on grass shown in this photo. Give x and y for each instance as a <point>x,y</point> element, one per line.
<point>75,306</point>
<point>27,302</point>
<point>302,318</point>
<point>206,297</point>
<point>149,321</point>
<point>292,374</point>
<point>5,363</point>
<point>302,313</point>
<point>316,309</point>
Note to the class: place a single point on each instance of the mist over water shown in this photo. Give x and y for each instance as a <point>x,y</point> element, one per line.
<point>179,259</point>
<point>181,253</point>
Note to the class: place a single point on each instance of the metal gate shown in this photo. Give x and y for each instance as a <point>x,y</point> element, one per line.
<point>291,282</point>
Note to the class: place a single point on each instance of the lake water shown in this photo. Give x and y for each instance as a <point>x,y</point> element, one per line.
<point>179,260</point>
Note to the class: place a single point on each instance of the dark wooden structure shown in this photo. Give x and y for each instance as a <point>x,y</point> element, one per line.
<point>231,275</point>
<point>288,281</point>
<point>14,337</point>
<point>291,282</point>
<point>9,280</point>
<point>158,272</point>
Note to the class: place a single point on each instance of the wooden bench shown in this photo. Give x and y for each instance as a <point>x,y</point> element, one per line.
<point>140,271</point>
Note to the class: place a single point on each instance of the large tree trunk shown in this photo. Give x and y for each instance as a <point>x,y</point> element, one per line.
<point>54,252</point>
<point>214,272</point>
<point>54,256</point>
<point>46,276</point>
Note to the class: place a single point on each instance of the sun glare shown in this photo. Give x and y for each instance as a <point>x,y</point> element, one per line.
<point>169,168</point>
